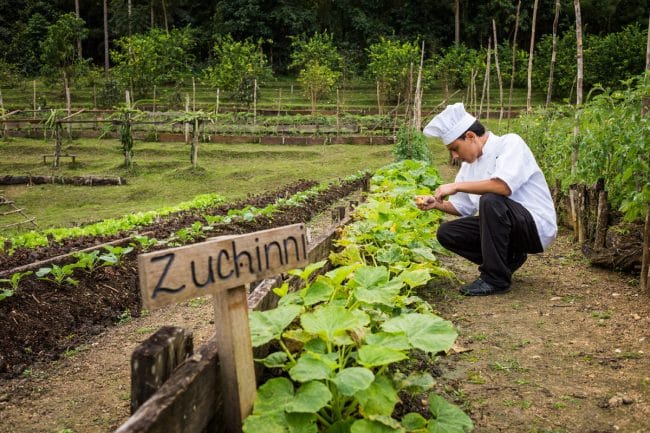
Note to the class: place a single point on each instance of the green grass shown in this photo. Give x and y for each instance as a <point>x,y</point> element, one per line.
<point>163,175</point>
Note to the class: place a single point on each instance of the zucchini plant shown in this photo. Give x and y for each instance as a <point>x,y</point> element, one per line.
<point>338,339</point>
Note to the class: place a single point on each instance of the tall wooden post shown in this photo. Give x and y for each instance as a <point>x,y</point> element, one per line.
<point>645,262</point>
<point>235,355</point>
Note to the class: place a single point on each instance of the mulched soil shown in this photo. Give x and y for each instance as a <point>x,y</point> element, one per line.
<point>43,320</point>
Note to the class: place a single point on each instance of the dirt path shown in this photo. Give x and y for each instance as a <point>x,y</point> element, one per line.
<point>565,351</point>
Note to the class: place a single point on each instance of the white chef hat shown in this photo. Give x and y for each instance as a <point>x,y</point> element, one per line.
<point>450,124</point>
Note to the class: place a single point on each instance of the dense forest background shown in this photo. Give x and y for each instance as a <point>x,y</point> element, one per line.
<point>355,25</point>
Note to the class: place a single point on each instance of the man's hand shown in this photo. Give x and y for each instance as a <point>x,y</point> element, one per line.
<point>425,202</point>
<point>444,190</point>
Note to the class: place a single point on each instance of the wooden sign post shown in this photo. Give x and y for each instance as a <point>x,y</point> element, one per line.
<point>221,266</point>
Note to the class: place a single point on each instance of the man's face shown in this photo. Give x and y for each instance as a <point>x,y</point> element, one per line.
<point>466,149</point>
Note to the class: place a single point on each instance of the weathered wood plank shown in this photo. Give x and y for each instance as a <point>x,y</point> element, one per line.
<point>187,402</point>
<point>154,361</point>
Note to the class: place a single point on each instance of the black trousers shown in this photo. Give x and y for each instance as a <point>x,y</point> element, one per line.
<point>497,239</point>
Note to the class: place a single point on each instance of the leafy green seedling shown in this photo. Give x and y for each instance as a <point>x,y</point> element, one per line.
<point>87,261</point>
<point>144,243</point>
<point>113,255</point>
<point>58,274</point>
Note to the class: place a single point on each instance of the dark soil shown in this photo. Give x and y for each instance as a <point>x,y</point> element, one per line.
<point>43,321</point>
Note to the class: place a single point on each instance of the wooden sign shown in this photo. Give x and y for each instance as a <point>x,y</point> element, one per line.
<point>177,274</point>
<point>221,266</point>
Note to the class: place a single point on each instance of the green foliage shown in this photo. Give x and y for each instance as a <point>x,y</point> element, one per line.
<point>58,274</point>
<point>411,144</point>
<point>454,65</point>
<point>609,60</point>
<point>59,49</point>
<point>153,58</point>
<point>390,64</point>
<point>14,282</point>
<point>237,65</point>
<point>319,65</point>
<point>339,335</point>
<point>613,144</point>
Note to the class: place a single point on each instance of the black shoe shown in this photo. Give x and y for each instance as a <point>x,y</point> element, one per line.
<point>482,288</point>
<point>517,261</point>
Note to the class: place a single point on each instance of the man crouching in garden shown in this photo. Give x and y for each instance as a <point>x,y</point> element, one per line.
<point>500,179</point>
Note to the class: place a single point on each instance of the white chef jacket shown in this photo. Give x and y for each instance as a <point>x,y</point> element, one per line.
<point>510,159</point>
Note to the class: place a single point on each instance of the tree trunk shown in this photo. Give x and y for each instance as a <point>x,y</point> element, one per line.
<point>529,106</point>
<point>496,63</point>
<point>457,22</point>
<point>78,14</point>
<point>417,100</point>
<point>549,92</point>
<point>106,61</point>
<point>579,80</point>
<point>164,8</point>
<point>514,57</point>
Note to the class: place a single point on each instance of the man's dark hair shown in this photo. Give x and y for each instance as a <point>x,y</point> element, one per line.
<point>477,128</point>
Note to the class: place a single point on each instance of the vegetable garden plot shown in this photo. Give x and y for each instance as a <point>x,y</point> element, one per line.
<point>339,341</point>
<point>74,299</point>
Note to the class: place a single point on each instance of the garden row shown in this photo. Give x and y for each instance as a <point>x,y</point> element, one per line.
<point>337,347</point>
<point>57,307</point>
<point>343,342</point>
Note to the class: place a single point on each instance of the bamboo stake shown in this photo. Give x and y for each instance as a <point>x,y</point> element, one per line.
<point>34,98</point>
<point>601,220</point>
<point>216,108</point>
<point>645,262</point>
<point>338,112</point>
<point>193,94</point>
<point>2,110</point>
<point>187,124</point>
<point>255,102</point>
<point>496,62</point>
<point>378,100</point>
<point>514,57</point>
<point>549,91</point>
<point>529,106</point>
<point>579,80</point>
<point>486,82</point>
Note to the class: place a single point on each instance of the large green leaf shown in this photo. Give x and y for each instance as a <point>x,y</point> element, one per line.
<point>426,332</point>
<point>274,360</point>
<point>366,426</point>
<point>375,356</point>
<point>273,396</point>
<point>311,366</point>
<point>415,278</point>
<point>300,423</point>
<point>370,276</point>
<point>353,379</point>
<point>385,294</point>
<point>423,255</point>
<point>447,418</point>
<point>396,341</point>
<point>318,291</point>
<point>274,422</point>
<point>267,325</point>
<point>339,274</point>
<point>379,398</point>
<point>330,322</point>
<point>310,398</point>
<point>414,421</point>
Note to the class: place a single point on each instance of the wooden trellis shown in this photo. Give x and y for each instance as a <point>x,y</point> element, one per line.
<point>8,207</point>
